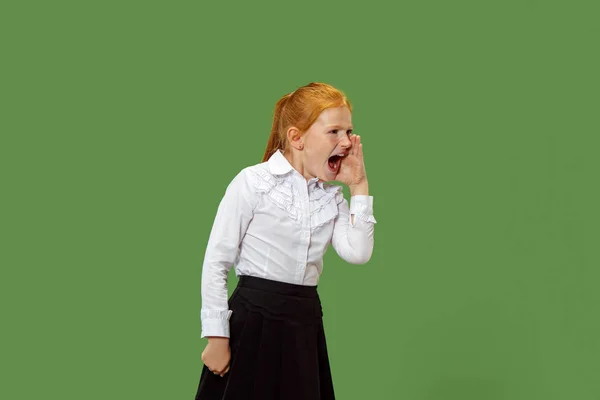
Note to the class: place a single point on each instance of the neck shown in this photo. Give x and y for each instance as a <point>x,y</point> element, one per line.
<point>294,157</point>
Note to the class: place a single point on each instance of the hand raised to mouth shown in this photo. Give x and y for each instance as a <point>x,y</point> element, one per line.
<point>352,169</point>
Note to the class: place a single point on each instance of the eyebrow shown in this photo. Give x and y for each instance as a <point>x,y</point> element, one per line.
<point>339,126</point>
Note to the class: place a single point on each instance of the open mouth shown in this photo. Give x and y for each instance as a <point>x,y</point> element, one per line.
<point>334,163</point>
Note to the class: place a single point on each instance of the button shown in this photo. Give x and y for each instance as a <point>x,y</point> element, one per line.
<point>306,234</point>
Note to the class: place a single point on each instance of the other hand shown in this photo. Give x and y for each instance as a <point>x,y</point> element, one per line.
<point>217,355</point>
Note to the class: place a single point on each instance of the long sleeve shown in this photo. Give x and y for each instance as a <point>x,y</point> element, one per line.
<point>353,240</point>
<point>234,214</point>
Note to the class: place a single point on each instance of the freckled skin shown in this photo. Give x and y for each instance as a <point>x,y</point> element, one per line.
<point>327,136</point>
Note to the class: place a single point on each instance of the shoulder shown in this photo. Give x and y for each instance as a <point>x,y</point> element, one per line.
<point>250,173</point>
<point>257,169</point>
<point>255,178</point>
<point>259,177</point>
<point>246,184</point>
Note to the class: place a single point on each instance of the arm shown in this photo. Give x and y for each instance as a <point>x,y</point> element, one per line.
<point>354,226</point>
<point>233,217</point>
<point>353,231</point>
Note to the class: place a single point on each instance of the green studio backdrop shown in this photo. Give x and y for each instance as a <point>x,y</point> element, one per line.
<point>123,123</point>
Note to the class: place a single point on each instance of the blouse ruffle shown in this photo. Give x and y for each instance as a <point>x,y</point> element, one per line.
<point>282,193</point>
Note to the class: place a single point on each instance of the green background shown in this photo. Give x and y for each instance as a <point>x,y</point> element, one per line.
<point>123,122</point>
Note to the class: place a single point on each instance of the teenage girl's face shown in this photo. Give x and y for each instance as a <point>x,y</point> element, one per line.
<point>326,142</point>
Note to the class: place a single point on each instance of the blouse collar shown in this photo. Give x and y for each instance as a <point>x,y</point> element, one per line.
<point>279,165</point>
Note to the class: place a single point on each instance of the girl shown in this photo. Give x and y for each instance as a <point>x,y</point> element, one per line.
<point>274,223</point>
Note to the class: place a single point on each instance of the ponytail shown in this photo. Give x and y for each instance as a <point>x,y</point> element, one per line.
<point>276,139</point>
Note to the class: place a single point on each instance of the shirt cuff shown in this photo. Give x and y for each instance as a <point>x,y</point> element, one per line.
<point>215,323</point>
<point>362,208</point>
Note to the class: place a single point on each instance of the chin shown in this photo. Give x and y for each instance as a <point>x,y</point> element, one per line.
<point>328,176</point>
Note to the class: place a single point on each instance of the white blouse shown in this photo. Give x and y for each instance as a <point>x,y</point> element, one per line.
<point>273,223</point>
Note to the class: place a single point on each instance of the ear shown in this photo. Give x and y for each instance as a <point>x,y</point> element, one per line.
<point>294,137</point>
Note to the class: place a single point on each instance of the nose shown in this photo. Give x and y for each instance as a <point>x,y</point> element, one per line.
<point>346,143</point>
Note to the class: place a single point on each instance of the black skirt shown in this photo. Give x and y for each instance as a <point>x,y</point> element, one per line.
<point>278,348</point>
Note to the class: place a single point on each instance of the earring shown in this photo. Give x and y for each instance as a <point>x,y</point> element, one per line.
<point>301,146</point>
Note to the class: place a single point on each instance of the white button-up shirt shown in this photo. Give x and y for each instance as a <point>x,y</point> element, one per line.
<point>272,223</point>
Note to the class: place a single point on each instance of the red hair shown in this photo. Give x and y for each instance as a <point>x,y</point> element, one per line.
<point>300,109</point>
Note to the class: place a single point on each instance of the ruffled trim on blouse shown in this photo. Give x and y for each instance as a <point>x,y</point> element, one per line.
<point>366,218</point>
<point>323,208</point>
<point>216,314</point>
<point>281,192</point>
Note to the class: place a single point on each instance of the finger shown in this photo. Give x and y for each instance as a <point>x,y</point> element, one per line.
<point>360,151</point>
<point>358,145</point>
<point>224,372</point>
<point>221,371</point>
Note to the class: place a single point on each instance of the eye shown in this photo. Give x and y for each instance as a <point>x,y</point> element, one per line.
<point>335,131</point>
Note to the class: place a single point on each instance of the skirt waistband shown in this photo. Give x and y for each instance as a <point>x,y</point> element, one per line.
<point>268,285</point>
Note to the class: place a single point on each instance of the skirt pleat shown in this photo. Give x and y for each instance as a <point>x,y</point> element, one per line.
<point>278,346</point>
<point>269,361</point>
<point>300,355</point>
